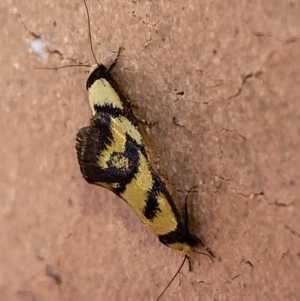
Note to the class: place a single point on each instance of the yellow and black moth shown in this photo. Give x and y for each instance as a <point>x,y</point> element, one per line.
<point>111,153</point>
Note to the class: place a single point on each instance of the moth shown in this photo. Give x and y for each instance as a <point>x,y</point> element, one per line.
<point>111,153</point>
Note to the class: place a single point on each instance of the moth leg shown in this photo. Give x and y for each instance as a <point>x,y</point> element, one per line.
<point>185,206</point>
<point>133,105</point>
<point>190,263</point>
<point>114,63</point>
<point>157,160</point>
<point>146,122</point>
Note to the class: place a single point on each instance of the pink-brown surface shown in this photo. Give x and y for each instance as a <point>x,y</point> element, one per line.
<point>222,79</point>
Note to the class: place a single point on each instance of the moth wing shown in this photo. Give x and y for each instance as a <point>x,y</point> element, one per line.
<point>108,156</point>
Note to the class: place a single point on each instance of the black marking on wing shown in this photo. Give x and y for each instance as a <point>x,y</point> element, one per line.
<point>92,141</point>
<point>109,109</point>
<point>125,175</point>
<point>151,206</point>
<point>180,235</point>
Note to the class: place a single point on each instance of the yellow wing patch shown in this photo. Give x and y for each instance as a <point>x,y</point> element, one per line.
<point>130,129</point>
<point>101,93</point>
<point>136,192</point>
<point>165,221</point>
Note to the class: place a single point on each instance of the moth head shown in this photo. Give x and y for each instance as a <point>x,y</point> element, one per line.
<point>93,68</point>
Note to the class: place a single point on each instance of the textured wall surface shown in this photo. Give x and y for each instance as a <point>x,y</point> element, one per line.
<point>222,79</point>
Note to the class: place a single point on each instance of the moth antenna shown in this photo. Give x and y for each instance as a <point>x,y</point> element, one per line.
<point>89,29</point>
<point>178,271</point>
<point>61,67</point>
<point>207,252</point>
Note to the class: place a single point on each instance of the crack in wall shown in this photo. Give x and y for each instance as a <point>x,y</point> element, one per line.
<point>244,80</point>
<point>292,231</point>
